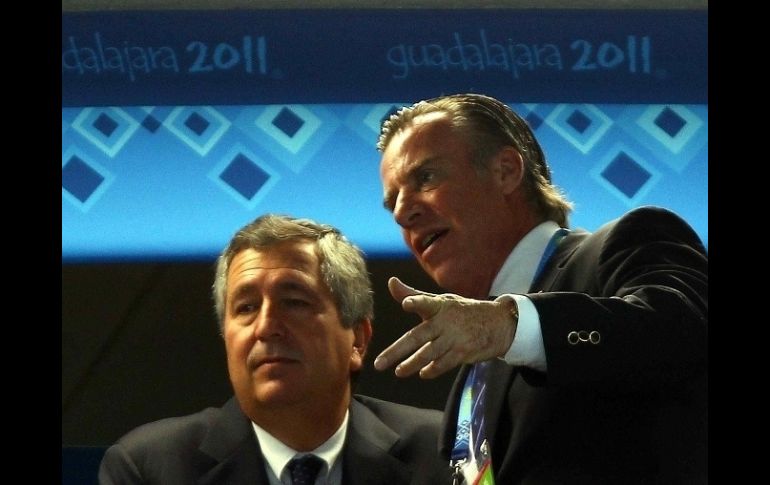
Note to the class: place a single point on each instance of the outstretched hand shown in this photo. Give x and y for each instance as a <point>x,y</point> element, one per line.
<point>454,330</point>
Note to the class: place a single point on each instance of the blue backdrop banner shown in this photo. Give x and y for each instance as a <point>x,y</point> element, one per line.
<point>180,127</point>
<point>354,56</point>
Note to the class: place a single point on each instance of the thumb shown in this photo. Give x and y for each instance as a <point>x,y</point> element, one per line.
<point>421,302</point>
<point>399,290</point>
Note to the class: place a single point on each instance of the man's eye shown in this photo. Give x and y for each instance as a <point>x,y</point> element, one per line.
<point>245,308</point>
<point>296,303</point>
<point>425,177</point>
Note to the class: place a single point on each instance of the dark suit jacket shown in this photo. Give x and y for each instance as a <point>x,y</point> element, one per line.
<point>387,443</point>
<point>631,408</point>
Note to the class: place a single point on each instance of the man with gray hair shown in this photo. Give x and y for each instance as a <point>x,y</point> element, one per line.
<point>294,304</point>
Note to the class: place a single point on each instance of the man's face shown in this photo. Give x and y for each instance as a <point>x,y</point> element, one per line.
<point>453,218</point>
<point>284,339</point>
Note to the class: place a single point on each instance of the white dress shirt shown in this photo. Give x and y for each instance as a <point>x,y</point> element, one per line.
<point>516,276</point>
<point>277,455</point>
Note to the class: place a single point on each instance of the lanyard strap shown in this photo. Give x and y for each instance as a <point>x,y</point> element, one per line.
<point>552,245</point>
<point>461,450</point>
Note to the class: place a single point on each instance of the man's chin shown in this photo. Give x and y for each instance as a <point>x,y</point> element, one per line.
<point>444,276</point>
<point>271,393</point>
<point>436,272</point>
<point>277,395</point>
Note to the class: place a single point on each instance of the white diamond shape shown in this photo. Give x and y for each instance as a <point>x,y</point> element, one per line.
<point>201,148</point>
<point>293,144</point>
<point>555,121</point>
<point>85,116</point>
<point>674,143</point>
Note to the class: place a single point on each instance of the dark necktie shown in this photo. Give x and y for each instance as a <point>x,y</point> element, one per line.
<point>478,394</point>
<point>304,469</point>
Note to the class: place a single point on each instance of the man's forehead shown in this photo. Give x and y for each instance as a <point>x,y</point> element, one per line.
<point>296,255</point>
<point>427,122</point>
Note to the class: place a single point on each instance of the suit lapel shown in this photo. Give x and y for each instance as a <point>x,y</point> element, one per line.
<point>368,458</point>
<point>231,451</point>
<point>499,377</point>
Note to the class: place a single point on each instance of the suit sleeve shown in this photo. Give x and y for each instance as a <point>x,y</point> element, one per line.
<point>117,468</point>
<point>634,307</point>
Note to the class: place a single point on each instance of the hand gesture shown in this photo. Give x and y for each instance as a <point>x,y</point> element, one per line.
<point>454,330</point>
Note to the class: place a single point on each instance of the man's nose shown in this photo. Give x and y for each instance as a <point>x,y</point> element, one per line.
<point>407,210</point>
<point>269,324</point>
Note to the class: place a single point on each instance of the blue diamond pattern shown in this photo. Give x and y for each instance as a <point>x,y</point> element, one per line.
<point>151,123</point>
<point>675,134</point>
<point>244,176</point>
<point>626,175</point>
<point>579,121</point>
<point>199,127</point>
<point>105,125</point>
<point>79,179</point>
<point>670,122</point>
<point>196,123</point>
<point>288,122</point>
<point>646,152</point>
<point>107,128</point>
<point>582,125</point>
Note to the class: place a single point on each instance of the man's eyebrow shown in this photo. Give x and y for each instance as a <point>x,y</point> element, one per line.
<point>288,285</point>
<point>242,290</point>
<point>295,286</point>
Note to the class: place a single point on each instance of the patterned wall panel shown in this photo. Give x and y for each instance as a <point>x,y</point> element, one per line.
<point>174,182</point>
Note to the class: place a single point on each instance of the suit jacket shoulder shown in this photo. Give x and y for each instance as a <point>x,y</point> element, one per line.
<point>640,283</point>
<point>590,262</point>
<point>204,447</point>
<point>393,443</point>
<point>387,443</point>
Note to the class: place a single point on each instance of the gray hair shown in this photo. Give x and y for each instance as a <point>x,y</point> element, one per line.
<point>342,263</point>
<point>490,125</point>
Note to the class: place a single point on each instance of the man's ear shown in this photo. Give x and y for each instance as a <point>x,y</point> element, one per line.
<point>509,169</point>
<point>362,336</point>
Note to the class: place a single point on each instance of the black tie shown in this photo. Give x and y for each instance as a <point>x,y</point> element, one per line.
<point>304,469</point>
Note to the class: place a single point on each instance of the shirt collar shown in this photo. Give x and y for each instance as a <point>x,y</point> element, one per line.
<point>519,268</point>
<point>277,454</point>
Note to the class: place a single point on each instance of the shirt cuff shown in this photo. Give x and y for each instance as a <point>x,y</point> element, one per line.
<point>527,348</point>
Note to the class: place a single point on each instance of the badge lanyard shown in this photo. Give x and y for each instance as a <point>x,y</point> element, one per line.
<point>464,452</point>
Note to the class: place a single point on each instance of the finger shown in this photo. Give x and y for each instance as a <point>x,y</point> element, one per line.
<point>433,359</point>
<point>417,361</point>
<point>424,305</point>
<point>405,345</point>
<point>435,368</point>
